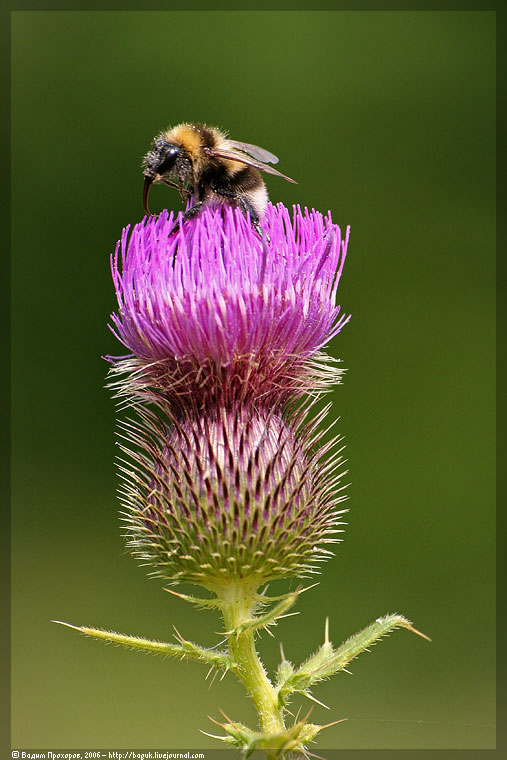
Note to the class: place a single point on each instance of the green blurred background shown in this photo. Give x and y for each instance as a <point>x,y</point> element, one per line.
<point>387,119</point>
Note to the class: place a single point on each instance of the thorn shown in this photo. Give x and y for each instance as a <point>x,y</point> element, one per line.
<point>213,736</point>
<point>312,754</point>
<point>333,723</point>
<point>309,695</point>
<point>213,678</point>
<point>175,593</point>
<point>68,625</point>
<point>414,630</point>
<point>289,614</point>
<point>229,720</point>
<point>347,671</point>
<point>282,654</point>
<point>307,588</point>
<point>216,722</point>
<point>326,631</point>
<point>219,644</point>
<point>285,596</point>
<point>303,720</point>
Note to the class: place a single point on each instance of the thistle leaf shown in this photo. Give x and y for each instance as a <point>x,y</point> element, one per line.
<point>327,660</point>
<point>292,739</point>
<point>200,603</point>
<point>184,650</point>
<point>268,618</point>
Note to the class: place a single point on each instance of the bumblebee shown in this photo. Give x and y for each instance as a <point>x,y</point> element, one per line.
<point>204,165</point>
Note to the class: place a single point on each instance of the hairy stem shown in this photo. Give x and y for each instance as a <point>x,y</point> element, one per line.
<point>238,601</point>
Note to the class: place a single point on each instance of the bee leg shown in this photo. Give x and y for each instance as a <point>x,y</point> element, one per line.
<point>248,209</point>
<point>182,190</point>
<point>235,199</point>
<point>256,223</point>
<point>189,213</point>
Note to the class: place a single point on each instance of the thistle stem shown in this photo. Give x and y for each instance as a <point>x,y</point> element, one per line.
<point>238,601</point>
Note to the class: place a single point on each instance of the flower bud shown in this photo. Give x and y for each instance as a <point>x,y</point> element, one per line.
<point>229,495</point>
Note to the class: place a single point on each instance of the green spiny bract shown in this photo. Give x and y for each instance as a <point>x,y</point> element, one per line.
<point>230,494</point>
<point>292,739</point>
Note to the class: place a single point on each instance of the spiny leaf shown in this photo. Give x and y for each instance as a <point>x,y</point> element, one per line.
<point>268,618</point>
<point>327,660</point>
<point>184,650</point>
<point>200,603</point>
<point>291,739</point>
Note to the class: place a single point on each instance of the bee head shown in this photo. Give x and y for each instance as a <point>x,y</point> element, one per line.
<point>161,158</point>
<point>162,161</point>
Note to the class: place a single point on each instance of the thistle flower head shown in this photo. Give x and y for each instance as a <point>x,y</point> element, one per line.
<point>226,481</point>
<point>212,311</point>
<point>230,495</point>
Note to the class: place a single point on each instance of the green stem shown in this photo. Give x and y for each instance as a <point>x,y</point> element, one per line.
<point>238,600</point>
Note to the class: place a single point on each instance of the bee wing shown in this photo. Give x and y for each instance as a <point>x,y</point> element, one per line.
<point>231,155</point>
<point>253,150</point>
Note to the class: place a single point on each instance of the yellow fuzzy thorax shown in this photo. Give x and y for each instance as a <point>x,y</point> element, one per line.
<point>191,138</point>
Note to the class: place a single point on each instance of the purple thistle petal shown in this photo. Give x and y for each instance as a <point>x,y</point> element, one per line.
<point>214,301</point>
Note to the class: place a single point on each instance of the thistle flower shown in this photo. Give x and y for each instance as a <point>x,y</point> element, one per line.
<point>228,481</point>
<point>213,315</point>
